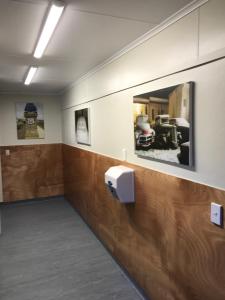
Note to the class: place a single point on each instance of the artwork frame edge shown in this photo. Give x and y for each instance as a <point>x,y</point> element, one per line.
<point>89,125</point>
<point>191,166</point>
<point>40,106</point>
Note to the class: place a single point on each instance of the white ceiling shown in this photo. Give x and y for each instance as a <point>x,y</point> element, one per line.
<point>89,32</point>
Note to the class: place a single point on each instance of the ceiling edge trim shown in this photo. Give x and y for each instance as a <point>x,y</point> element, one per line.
<point>143,38</point>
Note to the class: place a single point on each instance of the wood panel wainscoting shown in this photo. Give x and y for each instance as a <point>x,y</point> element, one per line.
<point>165,240</point>
<point>32,171</point>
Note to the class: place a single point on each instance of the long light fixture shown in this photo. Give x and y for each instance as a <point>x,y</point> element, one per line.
<point>52,20</point>
<point>30,75</point>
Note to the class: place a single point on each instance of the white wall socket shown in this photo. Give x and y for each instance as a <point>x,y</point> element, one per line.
<point>216,214</point>
<point>7,152</point>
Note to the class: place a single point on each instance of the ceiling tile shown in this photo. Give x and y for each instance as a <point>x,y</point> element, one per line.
<point>89,32</point>
<point>89,35</point>
<point>55,72</point>
<point>20,24</point>
<point>12,73</point>
<point>17,88</point>
<point>151,11</point>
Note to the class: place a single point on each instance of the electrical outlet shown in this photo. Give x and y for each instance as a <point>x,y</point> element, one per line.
<point>7,152</point>
<point>216,214</point>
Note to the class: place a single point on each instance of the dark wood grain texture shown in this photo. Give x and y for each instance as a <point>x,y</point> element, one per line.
<point>32,171</point>
<point>165,240</point>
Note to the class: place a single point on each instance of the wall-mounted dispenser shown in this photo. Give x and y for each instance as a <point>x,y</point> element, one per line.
<point>120,181</point>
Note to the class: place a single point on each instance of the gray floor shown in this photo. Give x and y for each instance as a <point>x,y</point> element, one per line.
<point>47,252</point>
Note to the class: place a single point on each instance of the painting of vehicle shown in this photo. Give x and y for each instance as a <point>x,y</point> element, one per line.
<point>166,135</point>
<point>182,129</point>
<point>144,134</point>
<point>163,124</point>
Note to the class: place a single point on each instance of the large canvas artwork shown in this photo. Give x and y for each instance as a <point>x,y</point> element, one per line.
<point>30,121</point>
<point>163,124</point>
<point>82,126</point>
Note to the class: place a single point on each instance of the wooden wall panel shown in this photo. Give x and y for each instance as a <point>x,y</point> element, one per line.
<point>165,240</point>
<point>32,171</point>
<point>78,177</point>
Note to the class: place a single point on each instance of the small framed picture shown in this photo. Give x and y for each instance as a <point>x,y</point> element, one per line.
<point>82,126</point>
<point>30,121</point>
<point>164,125</point>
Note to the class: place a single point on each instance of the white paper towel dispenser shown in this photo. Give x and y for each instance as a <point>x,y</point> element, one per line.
<point>120,181</point>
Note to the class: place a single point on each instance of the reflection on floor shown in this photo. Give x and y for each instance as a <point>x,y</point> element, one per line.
<point>48,253</point>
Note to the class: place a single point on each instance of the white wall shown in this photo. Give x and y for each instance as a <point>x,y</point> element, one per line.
<point>172,49</point>
<point>52,115</point>
<point>181,45</point>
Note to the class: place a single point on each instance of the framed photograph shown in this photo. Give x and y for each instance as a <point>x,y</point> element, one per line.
<point>30,121</point>
<point>82,126</point>
<point>163,125</point>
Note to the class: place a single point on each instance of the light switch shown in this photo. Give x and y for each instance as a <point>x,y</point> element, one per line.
<point>7,152</point>
<point>216,213</point>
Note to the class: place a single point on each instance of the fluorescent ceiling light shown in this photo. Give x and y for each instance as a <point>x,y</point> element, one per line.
<point>52,20</point>
<point>30,75</point>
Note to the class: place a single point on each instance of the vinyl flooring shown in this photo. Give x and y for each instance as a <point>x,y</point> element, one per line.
<point>47,252</point>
